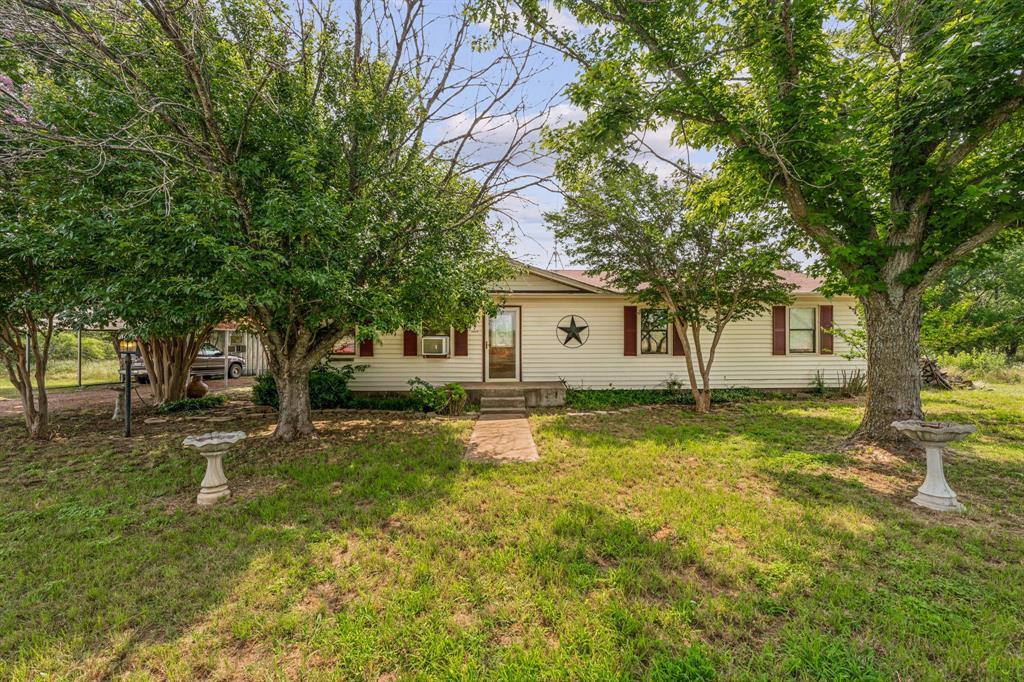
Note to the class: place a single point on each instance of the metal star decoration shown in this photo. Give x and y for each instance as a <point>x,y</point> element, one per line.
<point>572,331</point>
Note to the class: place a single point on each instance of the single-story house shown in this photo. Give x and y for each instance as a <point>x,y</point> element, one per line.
<point>564,328</point>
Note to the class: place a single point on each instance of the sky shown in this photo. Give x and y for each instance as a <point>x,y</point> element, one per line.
<point>534,242</point>
<point>542,93</point>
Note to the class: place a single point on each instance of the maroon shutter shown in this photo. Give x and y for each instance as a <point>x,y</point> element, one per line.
<point>629,330</point>
<point>778,330</point>
<point>461,342</point>
<point>677,343</point>
<point>825,337</point>
<point>366,348</point>
<point>409,343</point>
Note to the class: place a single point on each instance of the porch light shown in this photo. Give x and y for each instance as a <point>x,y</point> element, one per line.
<point>127,346</point>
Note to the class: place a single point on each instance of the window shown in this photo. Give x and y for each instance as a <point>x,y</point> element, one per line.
<point>344,348</point>
<point>208,350</point>
<point>653,331</point>
<point>802,330</point>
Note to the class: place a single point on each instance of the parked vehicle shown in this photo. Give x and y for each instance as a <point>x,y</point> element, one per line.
<point>209,363</point>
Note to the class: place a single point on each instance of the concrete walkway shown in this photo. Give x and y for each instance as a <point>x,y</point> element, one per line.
<point>502,438</point>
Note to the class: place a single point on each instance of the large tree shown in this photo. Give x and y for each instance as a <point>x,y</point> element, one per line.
<point>350,159</point>
<point>891,129</point>
<point>701,262</point>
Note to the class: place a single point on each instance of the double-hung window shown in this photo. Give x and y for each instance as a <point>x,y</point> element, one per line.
<point>802,330</point>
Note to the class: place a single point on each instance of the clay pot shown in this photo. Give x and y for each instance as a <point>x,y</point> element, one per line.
<point>196,388</point>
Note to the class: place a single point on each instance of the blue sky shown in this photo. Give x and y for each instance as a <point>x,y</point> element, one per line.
<point>533,241</point>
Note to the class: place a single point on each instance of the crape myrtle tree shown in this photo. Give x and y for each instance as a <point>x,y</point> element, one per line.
<point>41,278</point>
<point>358,163</point>
<point>892,130</point>
<point>685,252</point>
<point>159,268</point>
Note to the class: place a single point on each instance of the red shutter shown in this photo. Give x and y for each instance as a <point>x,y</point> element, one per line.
<point>366,348</point>
<point>410,343</point>
<point>629,330</point>
<point>677,343</point>
<point>461,342</point>
<point>825,337</point>
<point>778,330</point>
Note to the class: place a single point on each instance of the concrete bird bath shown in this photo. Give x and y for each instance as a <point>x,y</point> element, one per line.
<point>935,492</point>
<point>212,446</point>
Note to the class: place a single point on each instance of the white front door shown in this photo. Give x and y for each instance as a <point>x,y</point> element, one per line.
<point>501,358</point>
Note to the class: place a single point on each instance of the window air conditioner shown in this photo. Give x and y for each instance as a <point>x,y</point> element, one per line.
<point>435,346</point>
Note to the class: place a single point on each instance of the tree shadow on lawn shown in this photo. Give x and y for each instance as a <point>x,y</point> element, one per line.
<point>101,558</point>
<point>902,579</point>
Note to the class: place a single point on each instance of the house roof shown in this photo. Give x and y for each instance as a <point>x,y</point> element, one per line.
<point>805,284</point>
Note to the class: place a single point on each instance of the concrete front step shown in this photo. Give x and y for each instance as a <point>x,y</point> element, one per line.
<point>508,392</point>
<point>503,401</point>
<point>503,404</point>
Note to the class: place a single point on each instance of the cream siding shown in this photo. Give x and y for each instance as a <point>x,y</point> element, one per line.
<point>744,356</point>
<point>389,370</point>
<point>529,282</point>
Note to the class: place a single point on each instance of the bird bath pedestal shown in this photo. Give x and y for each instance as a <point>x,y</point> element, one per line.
<point>935,492</point>
<point>212,446</point>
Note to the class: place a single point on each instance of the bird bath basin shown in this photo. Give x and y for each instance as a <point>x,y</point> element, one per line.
<point>935,492</point>
<point>212,446</point>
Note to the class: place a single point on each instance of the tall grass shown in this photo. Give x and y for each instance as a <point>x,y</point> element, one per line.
<point>984,366</point>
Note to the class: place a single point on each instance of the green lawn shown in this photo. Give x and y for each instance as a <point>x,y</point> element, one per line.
<point>650,543</point>
<point>64,373</point>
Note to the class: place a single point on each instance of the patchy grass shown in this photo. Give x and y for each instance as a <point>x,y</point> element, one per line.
<point>652,543</point>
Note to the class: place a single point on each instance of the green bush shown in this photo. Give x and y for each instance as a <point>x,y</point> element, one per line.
<point>328,387</point>
<point>447,399</point>
<point>404,403</point>
<point>64,346</point>
<point>193,404</point>
<point>985,366</point>
<point>610,398</point>
<point>974,361</point>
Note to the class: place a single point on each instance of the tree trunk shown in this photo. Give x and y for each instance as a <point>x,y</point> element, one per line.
<point>894,376</point>
<point>294,418</point>
<point>702,400</point>
<point>290,357</point>
<point>169,363</point>
<point>25,357</point>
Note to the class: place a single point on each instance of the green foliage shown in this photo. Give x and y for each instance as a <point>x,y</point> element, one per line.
<point>979,304</point>
<point>612,398</point>
<point>976,361</point>
<point>64,346</point>
<point>818,383</point>
<point>194,404</point>
<point>448,399</point>
<point>398,402</point>
<point>328,387</point>
<point>691,253</point>
<point>877,125</point>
